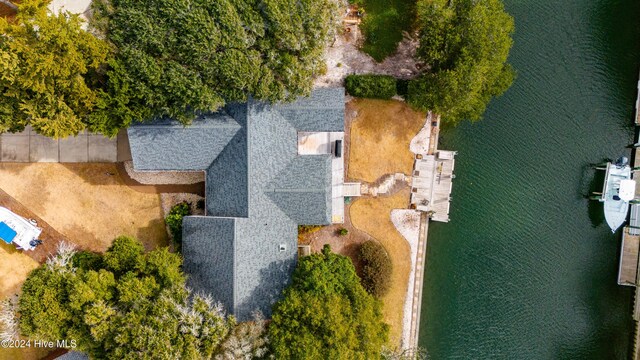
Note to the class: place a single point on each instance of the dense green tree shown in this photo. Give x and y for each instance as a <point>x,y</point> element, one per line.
<point>174,221</point>
<point>465,44</point>
<point>326,314</point>
<point>178,58</point>
<point>376,268</point>
<point>45,63</point>
<point>122,305</point>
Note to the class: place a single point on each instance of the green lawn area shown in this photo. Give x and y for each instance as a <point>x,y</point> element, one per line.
<point>383,24</point>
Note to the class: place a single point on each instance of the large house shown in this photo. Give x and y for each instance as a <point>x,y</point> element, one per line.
<point>269,168</point>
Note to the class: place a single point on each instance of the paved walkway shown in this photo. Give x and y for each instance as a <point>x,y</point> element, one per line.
<point>27,146</point>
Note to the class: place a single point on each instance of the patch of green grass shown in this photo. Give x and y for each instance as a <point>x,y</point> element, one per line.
<point>383,24</point>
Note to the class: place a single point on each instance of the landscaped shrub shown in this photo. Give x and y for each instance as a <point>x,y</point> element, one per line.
<point>376,268</point>
<point>371,86</point>
<point>307,229</point>
<point>174,221</point>
<point>343,232</point>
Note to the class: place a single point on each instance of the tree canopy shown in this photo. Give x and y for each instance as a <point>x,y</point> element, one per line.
<point>121,305</point>
<point>179,58</point>
<point>46,66</point>
<point>376,268</point>
<point>326,314</point>
<point>465,44</point>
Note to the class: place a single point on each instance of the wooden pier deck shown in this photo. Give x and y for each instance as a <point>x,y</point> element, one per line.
<point>637,118</point>
<point>628,268</point>
<point>416,309</point>
<point>432,184</point>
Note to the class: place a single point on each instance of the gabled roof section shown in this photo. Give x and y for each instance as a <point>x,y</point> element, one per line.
<point>166,144</point>
<point>208,249</point>
<point>302,190</point>
<point>227,188</point>
<point>323,110</point>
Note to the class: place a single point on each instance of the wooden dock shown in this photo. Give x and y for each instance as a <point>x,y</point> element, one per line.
<point>416,308</point>
<point>628,267</point>
<point>432,184</point>
<point>637,118</point>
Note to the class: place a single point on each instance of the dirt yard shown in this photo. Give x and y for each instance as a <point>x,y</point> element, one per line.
<point>17,264</point>
<point>87,203</point>
<point>380,134</point>
<point>373,216</point>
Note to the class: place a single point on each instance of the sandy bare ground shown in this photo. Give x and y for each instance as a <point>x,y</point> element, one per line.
<point>380,134</point>
<point>15,266</point>
<point>343,57</point>
<point>87,203</point>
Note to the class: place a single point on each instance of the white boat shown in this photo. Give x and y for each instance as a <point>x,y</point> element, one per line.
<point>619,189</point>
<point>14,229</point>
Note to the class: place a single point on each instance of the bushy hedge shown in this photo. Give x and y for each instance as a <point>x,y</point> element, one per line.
<point>174,221</point>
<point>376,268</point>
<point>371,86</point>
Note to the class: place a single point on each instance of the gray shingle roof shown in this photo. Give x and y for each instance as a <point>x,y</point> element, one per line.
<point>227,192</point>
<point>73,355</point>
<point>303,190</point>
<point>258,190</point>
<point>211,241</point>
<point>322,111</point>
<point>168,145</point>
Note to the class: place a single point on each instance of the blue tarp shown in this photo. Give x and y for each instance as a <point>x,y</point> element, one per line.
<point>6,233</point>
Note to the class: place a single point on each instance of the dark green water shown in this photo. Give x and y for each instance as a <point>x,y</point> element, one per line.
<point>524,270</point>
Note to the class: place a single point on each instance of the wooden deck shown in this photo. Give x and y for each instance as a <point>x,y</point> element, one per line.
<point>432,184</point>
<point>628,268</point>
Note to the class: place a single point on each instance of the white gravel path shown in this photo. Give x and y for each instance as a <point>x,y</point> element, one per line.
<point>407,222</point>
<point>421,142</point>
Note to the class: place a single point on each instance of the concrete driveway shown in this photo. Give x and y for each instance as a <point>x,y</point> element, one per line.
<point>28,146</point>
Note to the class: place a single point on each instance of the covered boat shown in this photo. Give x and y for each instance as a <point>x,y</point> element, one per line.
<point>14,229</point>
<point>619,189</point>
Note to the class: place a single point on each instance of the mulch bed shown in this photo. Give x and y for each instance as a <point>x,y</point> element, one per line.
<point>347,245</point>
